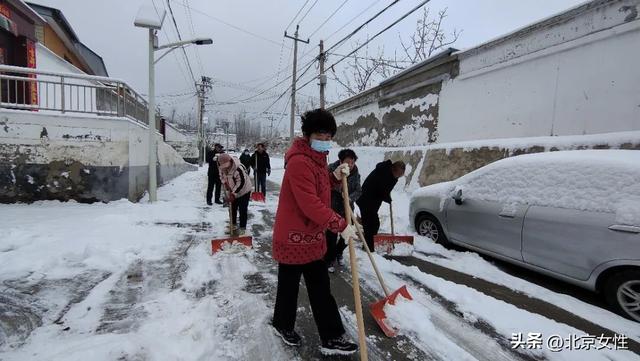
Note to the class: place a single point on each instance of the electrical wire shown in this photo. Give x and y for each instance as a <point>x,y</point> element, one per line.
<point>341,41</point>
<point>227,23</point>
<point>175,24</point>
<point>187,11</point>
<point>175,55</point>
<point>298,13</point>
<point>380,32</point>
<point>370,39</point>
<point>329,18</point>
<point>307,13</point>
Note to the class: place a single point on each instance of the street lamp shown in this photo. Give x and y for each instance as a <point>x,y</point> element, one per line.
<point>150,18</point>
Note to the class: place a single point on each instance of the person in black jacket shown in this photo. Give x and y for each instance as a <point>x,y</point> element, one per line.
<point>245,159</point>
<point>213,175</point>
<point>375,190</point>
<point>261,166</point>
<point>335,244</point>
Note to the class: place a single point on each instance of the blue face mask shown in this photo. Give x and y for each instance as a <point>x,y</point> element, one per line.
<point>320,145</point>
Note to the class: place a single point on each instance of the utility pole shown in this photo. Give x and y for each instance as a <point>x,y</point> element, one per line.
<point>323,77</point>
<point>202,88</point>
<point>293,82</point>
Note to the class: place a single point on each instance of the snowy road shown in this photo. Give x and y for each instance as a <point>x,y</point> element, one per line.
<point>123,281</point>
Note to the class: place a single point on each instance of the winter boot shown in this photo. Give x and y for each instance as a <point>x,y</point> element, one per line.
<point>331,268</point>
<point>338,346</point>
<point>290,338</point>
<point>242,231</point>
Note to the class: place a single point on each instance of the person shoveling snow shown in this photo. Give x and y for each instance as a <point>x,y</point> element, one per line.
<point>304,215</point>
<point>375,190</point>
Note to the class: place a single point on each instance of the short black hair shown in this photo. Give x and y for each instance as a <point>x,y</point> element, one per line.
<point>347,153</point>
<point>318,121</point>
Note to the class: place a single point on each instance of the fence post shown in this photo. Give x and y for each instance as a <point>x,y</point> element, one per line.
<point>62,93</point>
<point>124,100</point>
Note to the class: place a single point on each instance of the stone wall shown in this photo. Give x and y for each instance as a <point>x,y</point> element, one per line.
<point>440,163</point>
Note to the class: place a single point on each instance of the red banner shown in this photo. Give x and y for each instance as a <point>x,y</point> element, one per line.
<point>31,63</point>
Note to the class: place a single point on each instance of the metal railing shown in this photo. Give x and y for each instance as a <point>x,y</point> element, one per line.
<point>32,89</point>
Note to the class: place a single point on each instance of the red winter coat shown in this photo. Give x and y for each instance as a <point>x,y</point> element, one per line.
<point>304,208</point>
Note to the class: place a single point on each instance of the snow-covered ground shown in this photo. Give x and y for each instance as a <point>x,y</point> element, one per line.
<point>137,281</point>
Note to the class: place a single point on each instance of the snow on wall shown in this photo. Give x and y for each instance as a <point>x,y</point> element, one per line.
<point>572,74</point>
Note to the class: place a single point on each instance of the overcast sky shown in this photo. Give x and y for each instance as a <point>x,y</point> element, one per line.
<point>252,56</point>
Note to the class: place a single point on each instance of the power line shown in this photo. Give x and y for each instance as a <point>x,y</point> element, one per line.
<point>341,41</point>
<point>193,35</point>
<point>227,23</point>
<point>175,56</point>
<point>370,39</point>
<point>307,13</point>
<point>381,31</point>
<point>352,19</point>
<point>298,13</point>
<point>175,24</point>
<point>327,19</point>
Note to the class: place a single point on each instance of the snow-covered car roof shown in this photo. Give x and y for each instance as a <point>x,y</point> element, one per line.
<point>590,180</point>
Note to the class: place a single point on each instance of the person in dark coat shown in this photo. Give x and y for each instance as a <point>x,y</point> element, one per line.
<point>375,190</point>
<point>304,215</point>
<point>336,244</point>
<point>245,159</point>
<point>261,166</point>
<point>213,175</point>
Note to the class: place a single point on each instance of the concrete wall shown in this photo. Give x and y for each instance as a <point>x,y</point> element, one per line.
<point>575,73</point>
<point>53,156</point>
<point>185,144</point>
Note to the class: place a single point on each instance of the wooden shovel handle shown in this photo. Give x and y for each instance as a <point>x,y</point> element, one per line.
<point>373,261</point>
<point>362,339</point>
<point>393,232</point>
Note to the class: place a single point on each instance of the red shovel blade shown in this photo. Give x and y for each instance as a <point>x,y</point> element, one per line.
<point>218,244</point>
<point>387,241</point>
<point>377,310</point>
<point>257,197</point>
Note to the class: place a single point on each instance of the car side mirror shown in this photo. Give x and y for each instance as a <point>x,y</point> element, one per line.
<point>458,197</point>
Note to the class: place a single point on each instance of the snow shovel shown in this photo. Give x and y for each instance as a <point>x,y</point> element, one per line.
<point>377,308</point>
<point>255,195</point>
<point>388,241</point>
<point>219,244</point>
<point>362,338</point>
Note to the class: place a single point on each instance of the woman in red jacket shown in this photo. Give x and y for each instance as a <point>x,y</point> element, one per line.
<point>304,214</point>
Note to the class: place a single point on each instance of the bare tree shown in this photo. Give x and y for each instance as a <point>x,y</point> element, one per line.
<point>247,131</point>
<point>429,37</point>
<point>363,70</point>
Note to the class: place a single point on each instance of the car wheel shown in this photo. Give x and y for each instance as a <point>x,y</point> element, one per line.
<point>622,292</point>
<point>428,225</point>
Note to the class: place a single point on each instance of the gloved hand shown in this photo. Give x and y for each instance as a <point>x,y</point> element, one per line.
<point>349,233</point>
<point>342,171</point>
<point>231,198</point>
<point>268,172</point>
<point>215,158</point>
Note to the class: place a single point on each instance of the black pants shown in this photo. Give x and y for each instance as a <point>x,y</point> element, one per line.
<point>261,182</point>
<point>240,204</point>
<point>323,305</point>
<point>335,247</point>
<point>214,181</point>
<point>370,223</point>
